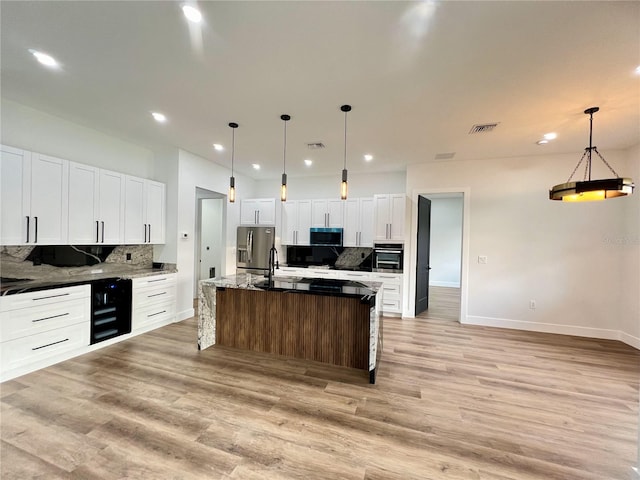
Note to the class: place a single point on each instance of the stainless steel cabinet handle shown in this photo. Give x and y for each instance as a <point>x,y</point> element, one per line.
<point>50,344</point>
<point>102,232</point>
<point>36,220</point>
<point>390,225</point>
<point>156,294</point>
<point>157,313</point>
<point>28,221</point>
<point>145,233</point>
<point>149,233</point>
<point>50,296</point>
<point>97,230</point>
<point>49,318</point>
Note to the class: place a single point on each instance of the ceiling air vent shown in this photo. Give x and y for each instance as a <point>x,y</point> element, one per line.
<point>444,156</point>
<point>483,128</point>
<point>315,145</point>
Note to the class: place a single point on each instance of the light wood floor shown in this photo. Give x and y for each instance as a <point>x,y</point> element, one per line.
<point>444,304</point>
<point>451,402</point>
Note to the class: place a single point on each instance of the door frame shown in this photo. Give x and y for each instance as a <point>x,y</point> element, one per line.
<point>202,194</point>
<point>410,280</point>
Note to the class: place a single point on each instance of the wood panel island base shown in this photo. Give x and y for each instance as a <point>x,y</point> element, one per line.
<point>330,321</point>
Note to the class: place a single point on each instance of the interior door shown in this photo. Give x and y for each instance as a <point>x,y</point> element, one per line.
<point>422,253</point>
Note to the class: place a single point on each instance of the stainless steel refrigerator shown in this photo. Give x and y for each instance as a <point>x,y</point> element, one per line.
<point>253,246</point>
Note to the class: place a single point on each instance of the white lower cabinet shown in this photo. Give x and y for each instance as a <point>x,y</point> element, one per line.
<point>38,329</point>
<point>391,282</point>
<point>391,291</point>
<point>154,301</point>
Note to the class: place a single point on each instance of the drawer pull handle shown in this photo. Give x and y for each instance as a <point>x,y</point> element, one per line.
<point>156,294</point>
<point>50,344</point>
<point>50,296</point>
<point>157,280</point>
<point>157,313</point>
<point>49,318</point>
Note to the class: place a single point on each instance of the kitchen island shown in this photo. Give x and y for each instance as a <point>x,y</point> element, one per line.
<point>331,321</point>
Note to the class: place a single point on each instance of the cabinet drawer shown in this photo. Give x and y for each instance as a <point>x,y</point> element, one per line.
<point>34,348</point>
<point>152,281</point>
<point>41,318</point>
<point>391,305</point>
<point>44,297</point>
<point>391,290</point>
<point>363,276</point>
<point>152,296</point>
<point>387,278</point>
<point>162,312</point>
<point>289,272</point>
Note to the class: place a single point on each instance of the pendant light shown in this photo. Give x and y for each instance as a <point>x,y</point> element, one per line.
<point>283,187</point>
<point>590,190</point>
<point>232,180</point>
<point>343,185</point>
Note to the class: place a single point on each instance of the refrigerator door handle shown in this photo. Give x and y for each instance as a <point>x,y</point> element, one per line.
<point>250,246</point>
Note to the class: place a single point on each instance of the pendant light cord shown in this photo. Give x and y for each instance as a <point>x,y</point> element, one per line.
<point>233,147</point>
<point>345,140</point>
<point>284,152</point>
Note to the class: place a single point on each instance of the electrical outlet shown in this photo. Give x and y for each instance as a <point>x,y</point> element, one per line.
<point>128,257</point>
<point>532,304</point>
<point>482,259</point>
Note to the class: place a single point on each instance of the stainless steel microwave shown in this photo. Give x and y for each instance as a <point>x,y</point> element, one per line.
<point>325,237</point>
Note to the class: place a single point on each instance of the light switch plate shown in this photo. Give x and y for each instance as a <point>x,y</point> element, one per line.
<point>482,259</point>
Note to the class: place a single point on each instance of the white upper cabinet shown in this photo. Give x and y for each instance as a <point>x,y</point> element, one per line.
<point>327,213</point>
<point>49,199</point>
<point>111,207</point>
<point>389,217</point>
<point>296,222</point>
<point>155,203</point>
<point>258,211</point>
<point>34,198</point>
<point>15,185</point>
<point>144,211</point>
<point>96,205</point>
<point>358,222</point>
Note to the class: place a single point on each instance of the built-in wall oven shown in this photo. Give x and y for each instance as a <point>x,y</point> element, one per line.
<point>388,257</point>
<point>110,308</point>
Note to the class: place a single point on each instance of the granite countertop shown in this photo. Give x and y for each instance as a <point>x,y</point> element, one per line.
<point>75,276</point>
<point>314,286</point>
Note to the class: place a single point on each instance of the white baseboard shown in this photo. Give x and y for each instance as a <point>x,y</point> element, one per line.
<point>603,333</point>
<point>436,283</point>
<point>183,315</point>
<point>634,342</point>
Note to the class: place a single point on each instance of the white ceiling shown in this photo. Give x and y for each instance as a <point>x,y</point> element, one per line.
<point>418,75</point>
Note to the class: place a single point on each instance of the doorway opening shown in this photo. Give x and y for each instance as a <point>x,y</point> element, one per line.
<point>439,250</point>
<point>210,236</point>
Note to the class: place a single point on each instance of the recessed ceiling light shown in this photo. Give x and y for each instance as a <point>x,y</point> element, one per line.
<point>43,58</point>
<point>368,157</point>
<point>192,13</point>
<point>637,70</point>
<point>542,142</point>
<point>218,147</point>
<point>255,166</point>
<point>308,162</point>
<point>159,117</point>
<point>550,136</point>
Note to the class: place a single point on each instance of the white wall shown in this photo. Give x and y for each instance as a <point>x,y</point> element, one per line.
<point>552,252</point>
<point>446,241</point>
<point>626,241</point>
<point>34,130</point>
<point>197,172</point>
